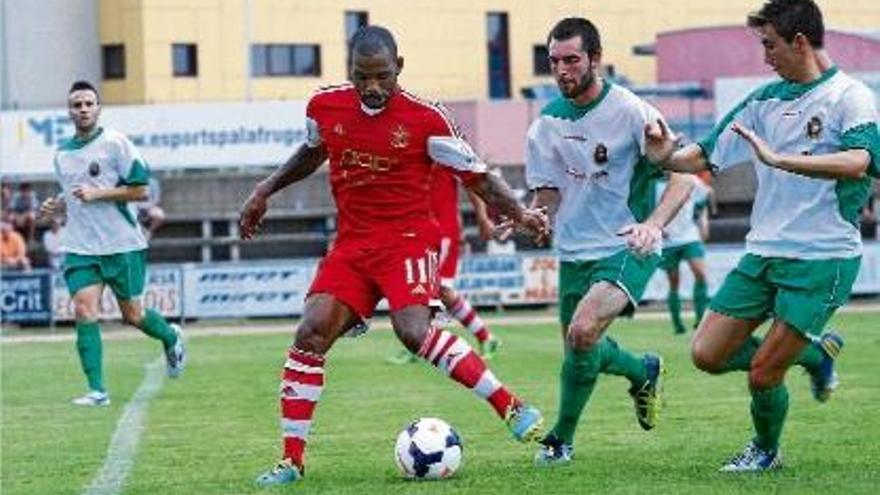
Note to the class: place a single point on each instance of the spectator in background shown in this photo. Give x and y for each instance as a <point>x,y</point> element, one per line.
<point>868,219</point>
<point>149,213</point>
<point>23,211</point>
<point>13,250</point>
<point>52,244</point>
<point>6,202</point>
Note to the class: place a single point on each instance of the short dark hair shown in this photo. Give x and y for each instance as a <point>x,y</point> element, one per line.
<point>370,40</point>
<point>577,26</point>
<point>81,85</point>
<point>790,17</point>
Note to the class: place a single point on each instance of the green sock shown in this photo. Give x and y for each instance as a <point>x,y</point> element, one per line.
<point>580,369</point>
<point>810,357</point>
<point>88,345</point>
<point>701,298</point>
<point>769,408</point>
<point>742,358</point>
<point>155,326</point>
<point>618,361</point>
<point>674,304</point>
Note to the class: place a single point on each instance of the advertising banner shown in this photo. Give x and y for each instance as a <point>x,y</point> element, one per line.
<point>26,297</point>
<point>162,292</point>
<point>247,289</point>
<point>488,280</point>
<point>185,135</point>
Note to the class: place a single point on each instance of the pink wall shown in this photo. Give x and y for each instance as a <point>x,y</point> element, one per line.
<point>704,54</point>
<point>496,129</point>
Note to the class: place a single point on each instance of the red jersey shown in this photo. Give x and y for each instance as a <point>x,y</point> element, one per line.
<point>444,200</point>
<point>381,173</point>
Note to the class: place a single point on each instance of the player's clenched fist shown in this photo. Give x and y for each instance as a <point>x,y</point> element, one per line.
<point>51,207</point>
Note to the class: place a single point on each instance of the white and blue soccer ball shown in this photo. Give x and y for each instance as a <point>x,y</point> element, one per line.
<point>428,449</point>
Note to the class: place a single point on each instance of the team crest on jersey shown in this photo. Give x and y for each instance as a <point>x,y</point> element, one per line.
<point>94,169</point>
<point>600,154</point>
<point>338,129</point>
<point>814,127</point>
<point>399,137</point>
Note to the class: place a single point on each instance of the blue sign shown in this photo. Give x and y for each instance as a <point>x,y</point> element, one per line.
<point>26,297</point>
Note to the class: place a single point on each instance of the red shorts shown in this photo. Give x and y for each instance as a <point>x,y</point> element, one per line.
<point>361,276</point>
<point>449,251</point>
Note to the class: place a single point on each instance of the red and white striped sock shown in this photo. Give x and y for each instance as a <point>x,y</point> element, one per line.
<point>462,311</point>
<point>302,381</point>
<point>454,357</point>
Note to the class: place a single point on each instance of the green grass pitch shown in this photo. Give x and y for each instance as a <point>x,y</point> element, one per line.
<point>215,429</point>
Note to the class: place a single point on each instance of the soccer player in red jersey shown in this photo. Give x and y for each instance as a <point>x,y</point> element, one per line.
<point>444,199</point>
<point>383,145</point>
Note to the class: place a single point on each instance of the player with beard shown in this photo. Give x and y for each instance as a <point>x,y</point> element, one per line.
<point>585,161</point>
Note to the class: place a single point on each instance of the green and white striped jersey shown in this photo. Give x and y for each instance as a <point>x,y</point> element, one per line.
<point>106,159</point>
<point>594,156</point>
<point>796,216</point>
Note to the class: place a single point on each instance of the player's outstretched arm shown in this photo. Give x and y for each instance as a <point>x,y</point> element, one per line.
<point>118,193</point>
<point>661,148</point>
<point>644,237</point>
<point>849,164</point>
<point>484,223</point>
<point>300,165</point>
<point>674,196</point>
<point>495,191</point>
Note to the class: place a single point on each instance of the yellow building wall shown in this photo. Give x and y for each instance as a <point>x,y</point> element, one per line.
<point>443,42</point>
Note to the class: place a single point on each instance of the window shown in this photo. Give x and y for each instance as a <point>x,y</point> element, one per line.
<point>499,55</point>
<point>184,59</point>
<point>113,61</point>
<point>353,21</point>
<point>285,60</point>
<point>540,60</point>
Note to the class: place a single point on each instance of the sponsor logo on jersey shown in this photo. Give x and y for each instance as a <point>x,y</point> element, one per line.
<point>814,127</point>
<point>399,137</point>
<point>361,159</point>
<point>791,114</point>
<point>94,169</point>
<point>419,289</point>
<point>338,129</point>
<point>575,137</point>
<point>600,154</point>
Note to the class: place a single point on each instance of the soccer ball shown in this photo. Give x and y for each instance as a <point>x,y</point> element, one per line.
<point>428,449</point>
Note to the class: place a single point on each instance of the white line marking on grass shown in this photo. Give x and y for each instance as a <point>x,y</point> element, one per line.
<point>123,445</point>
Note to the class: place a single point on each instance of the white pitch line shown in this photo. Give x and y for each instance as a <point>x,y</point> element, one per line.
<point>123,446</point>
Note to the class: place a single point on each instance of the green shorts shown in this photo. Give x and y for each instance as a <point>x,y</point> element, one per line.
<point>673,256</point>
<point>623,269</point>
<point>125,273</point>
<point>802,293</point>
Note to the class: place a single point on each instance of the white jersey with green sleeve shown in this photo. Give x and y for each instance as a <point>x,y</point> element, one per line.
<point>594,156</point>
<point>683,228</point>
<point>106,159</point>
<point>795,216</point>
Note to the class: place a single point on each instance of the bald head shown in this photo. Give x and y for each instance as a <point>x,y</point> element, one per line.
<point>372,40</point>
